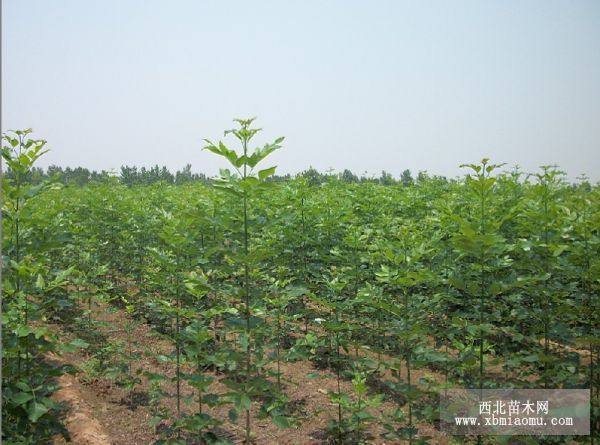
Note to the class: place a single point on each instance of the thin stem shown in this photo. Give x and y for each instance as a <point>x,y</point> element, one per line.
<point>178,346</point>
<point>246,292</point>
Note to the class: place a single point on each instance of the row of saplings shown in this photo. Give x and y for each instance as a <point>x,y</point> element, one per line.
<point>234,312</point>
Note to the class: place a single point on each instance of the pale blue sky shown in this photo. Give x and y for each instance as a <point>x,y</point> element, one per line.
<point>365,85</point>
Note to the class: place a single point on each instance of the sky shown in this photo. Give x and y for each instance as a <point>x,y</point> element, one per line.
<point>364,85</point>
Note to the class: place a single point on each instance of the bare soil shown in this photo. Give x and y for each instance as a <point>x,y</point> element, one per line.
<point>99,412</point>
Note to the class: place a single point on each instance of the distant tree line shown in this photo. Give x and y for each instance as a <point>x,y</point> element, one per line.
<point>68,176</point>
<point>132,175</point>
<point>406,179</point>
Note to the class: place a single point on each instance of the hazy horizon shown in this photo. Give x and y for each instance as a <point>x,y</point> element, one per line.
<point>367,86</point>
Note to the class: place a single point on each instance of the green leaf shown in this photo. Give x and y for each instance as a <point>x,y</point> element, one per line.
<point>281,421</point>
<point>388,308</point>
<point>232,414</point>
<point>22,397</point>
<point>36,410</point>
<point>40,283</point>
<point>79,343</point>
<point>23,331</point>
<point>23,386</point>
<point>264,174</point>
<point>261,153</point>
<point>227,189</point>
<point>558,250</point>
<point>40,332</point>
<point>75,344</point>
<point>245,401</point>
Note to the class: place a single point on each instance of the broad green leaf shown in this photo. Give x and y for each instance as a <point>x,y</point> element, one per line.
<point>263,174</point>
<point>36,410</point>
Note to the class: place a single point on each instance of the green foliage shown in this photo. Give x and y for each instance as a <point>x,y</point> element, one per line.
<point>248,382</point>
<point>393,290</point>
<point>27,373</point>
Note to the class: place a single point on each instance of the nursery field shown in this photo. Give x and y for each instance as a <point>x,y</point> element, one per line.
<point>249,309</point>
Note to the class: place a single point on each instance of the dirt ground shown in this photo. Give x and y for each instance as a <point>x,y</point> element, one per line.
<point>99,412</point>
